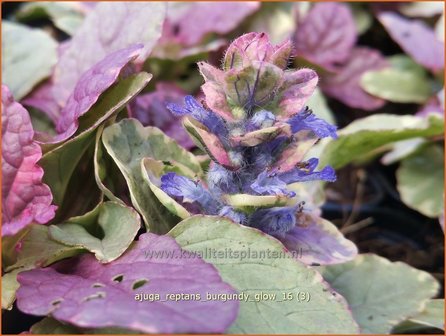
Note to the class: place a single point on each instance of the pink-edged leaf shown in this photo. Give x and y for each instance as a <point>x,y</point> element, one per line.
<point>209,143</point>
<point>327,34</point>
<point>25,199</point>
<point>300,86</point>
<point>210,73</point>
<point>150,109</point>
<point>256,47</point>
<point>345,85</point>
<point>319,242</point>
<point>218,17</point>
<point>293,154</point>
<point>215,96</point>
<point>88,294</point>
<point>90,86</point>
<point>109,27</point>
<point>262,135</point>
<point>42,99</point>
<point>416,38</point>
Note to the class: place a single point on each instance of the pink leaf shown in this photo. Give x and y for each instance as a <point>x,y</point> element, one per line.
<point>327,34</point>
<point>90,294</point>
<point>416,38</point>
<point>345,85</point>
<point>90,86</point>
<point>300,86</point>
<point>253,47</point>
<point>202,18</point>
<point>215,96</point>
<point>109,27</point>
<point>25,199</point>
<point>42,99</point>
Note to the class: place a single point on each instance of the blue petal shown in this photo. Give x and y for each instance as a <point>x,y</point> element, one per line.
<point>268,183</point>
<point>307,173</point>
<point>189,191</point>
<point>213,122</point>
<point>277,220</point>
<point>306,120</point>
<point>235,216</point>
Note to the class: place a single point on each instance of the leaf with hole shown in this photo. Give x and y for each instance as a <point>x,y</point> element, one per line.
<point>140,291</point>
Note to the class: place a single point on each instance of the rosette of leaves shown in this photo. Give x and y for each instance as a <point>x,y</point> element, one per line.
<point>255,127</point>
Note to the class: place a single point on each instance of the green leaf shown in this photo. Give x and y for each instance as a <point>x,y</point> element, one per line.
<point>9,288</point>
<point>41,122</point>
<point>152,170</point>
<point>128,142</point>
<point>362,16</point>
<point>267,268</point>
<point>276,18</point>
<point>405,63</point>
<point>39,250</point>
<point>431,316</point>
<point>28,56</point>
<point>249,203</point>
<point>107,231</point>
<point>366,134</point>
<point>50,326</point>
<point>67,16</point>
<point>59,163</point>
<point>380,293</point>
<point>404,82</point>
<point>103,168</point>
<point>420,181</point>
<point>9,243</point>
<point>402,149</point>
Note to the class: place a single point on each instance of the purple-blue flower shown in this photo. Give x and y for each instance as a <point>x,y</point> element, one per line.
<point>188,191</point>
<point>256,151</point>
<point>270,184</point>
<point>277,220</point>
<point>306,173</point>
<point>255,176</point>
<point>306,120</point>
<point>208,118</point>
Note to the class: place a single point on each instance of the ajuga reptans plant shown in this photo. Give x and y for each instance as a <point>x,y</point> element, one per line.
<point>257,130</point>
